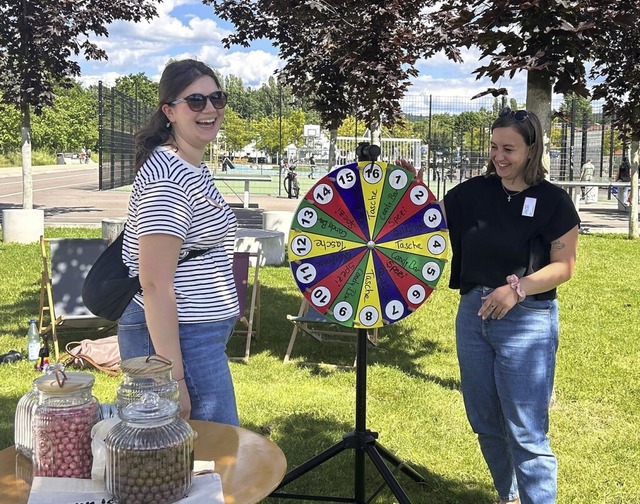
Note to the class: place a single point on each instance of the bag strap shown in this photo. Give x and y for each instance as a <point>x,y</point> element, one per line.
<point>190,254</point>
<point>108,371</point>
<point>193,253</point>
<point>78,355</point>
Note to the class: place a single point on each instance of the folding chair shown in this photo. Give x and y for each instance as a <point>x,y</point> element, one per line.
<point>249,321</point>
<point>322,329</point>
<point>64,267</point>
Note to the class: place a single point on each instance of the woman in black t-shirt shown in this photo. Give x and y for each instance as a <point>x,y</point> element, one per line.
<point>514,237</point>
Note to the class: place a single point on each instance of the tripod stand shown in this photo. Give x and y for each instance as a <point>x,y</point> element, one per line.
<point>363,441</point>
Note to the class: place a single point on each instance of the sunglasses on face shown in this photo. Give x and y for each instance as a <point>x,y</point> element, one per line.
<point>518,115</point>
<point>197,101</point>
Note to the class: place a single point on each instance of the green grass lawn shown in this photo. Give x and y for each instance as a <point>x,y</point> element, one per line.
<point>413,400</point>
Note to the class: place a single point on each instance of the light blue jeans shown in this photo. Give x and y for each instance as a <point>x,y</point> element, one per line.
<point>204,358</point>
<point>507,372</point>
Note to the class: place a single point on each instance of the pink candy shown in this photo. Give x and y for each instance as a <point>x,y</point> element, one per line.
<point>63,440</point>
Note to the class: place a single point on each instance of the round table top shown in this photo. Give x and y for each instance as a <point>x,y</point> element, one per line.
<point>250,465</point>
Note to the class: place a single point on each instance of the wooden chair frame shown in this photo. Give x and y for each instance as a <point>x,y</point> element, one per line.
<point>81,320</point>
<point>311,322</point>
<point>249,319</point>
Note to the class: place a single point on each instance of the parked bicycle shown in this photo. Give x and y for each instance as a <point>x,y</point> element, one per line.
<point>291,184</point>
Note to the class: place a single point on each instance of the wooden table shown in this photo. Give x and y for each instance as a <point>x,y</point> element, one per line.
<point>250,466</point>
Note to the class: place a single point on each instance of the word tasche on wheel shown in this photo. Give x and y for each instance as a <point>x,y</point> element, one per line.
<point>368,244</point>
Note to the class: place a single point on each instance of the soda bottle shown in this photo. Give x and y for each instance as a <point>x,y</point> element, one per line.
<point>33,342</point>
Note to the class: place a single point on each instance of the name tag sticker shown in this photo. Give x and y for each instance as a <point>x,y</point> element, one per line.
<point>529,207</point>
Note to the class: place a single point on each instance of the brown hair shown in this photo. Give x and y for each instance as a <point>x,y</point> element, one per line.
<point>176,76</point>
<point>530,130</point>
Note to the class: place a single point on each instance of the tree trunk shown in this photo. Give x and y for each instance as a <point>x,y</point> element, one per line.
<point>633,201</point>
<point>539,86</point>
<point>333,140</point>
<point>376,133</point>
<point>539,102</point>
<point>27,181</point>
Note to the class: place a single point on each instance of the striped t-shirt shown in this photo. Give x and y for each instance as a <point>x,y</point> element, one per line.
<point>171,196</point>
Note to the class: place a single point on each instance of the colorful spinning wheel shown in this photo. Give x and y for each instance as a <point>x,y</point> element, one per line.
<point>367,244</point>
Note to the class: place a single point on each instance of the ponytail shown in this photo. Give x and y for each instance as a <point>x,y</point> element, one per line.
<point>152,135</point>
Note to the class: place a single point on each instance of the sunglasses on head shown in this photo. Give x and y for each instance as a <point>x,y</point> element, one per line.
<point>197,101</point>
<point>518,115</point>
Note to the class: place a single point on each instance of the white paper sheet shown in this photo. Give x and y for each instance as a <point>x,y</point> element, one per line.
<point>206,488</point>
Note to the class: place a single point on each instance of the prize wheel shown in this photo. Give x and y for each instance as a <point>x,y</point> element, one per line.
<point>367,244</point>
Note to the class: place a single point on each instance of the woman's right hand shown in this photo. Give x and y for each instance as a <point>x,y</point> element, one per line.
<point>184,400</point>
<point>408,166</point>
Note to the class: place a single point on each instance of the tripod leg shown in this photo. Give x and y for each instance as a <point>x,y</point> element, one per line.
<point>386,474</point>
<point>312,463</point>
<point>359,476</point>
<point>395,461</point>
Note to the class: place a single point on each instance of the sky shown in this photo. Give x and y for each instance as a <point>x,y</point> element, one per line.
<point>186,28</point>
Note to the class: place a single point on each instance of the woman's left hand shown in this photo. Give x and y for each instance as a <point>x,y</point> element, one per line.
<point>498,303</point>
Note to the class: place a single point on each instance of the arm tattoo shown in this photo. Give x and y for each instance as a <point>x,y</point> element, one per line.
<point>557,245</point>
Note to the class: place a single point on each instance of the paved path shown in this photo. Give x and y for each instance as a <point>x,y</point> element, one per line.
<point>69,196</point>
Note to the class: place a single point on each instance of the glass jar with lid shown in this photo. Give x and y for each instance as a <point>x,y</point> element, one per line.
<point>146,374</point>
<point>22,433</point>
<point>23,424</point>
<point>62,424</point>
<point>149,453</point>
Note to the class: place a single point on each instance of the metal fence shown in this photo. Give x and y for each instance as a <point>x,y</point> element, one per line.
<point>462,145</point>
<point>451,137</point>
<point>119,118</point>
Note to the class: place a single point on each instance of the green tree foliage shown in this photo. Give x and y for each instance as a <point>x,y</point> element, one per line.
<point>293,129</point>
<point>235,131</point>
<point>268,137</point>
<point>582,106</point>
<point>66,126</point>
<point>9,127</point>
<point>37,41</point>
<point>271,132</point>
<point>70,124</point>
<point>243,100</point>
<point>349,125</point>
<point>340,54</point>
<point>550,40</point>
<point>400,130</point>
<point>38,37</point>
<point>616,65</point>
<point>139,87</point>
<point>554,38</point>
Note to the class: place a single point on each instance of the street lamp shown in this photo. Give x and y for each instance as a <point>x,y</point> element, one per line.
<point>280,139</point>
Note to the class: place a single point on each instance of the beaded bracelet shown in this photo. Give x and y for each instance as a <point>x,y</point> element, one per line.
<point>514,283</point>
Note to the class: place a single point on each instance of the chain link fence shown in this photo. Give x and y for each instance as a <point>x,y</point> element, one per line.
<point>449,135</point>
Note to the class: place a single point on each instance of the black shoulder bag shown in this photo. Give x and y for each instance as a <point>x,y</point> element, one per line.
<point>108,288</point>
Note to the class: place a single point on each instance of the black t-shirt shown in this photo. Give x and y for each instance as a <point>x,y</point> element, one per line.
<point>492,238</point>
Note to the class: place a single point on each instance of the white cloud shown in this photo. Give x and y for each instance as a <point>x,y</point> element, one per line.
<point>187,29</point>
<point>443,77</point>
<point>108,79</point>
<point>253,67</point>
<point>148,45</point>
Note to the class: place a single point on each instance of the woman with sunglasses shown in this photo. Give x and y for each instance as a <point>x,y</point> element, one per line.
<point>514,237</point>
<point>186,310</point>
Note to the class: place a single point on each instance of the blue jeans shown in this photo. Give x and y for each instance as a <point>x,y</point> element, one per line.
<point>507,372</point>
<point>206,366</point>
